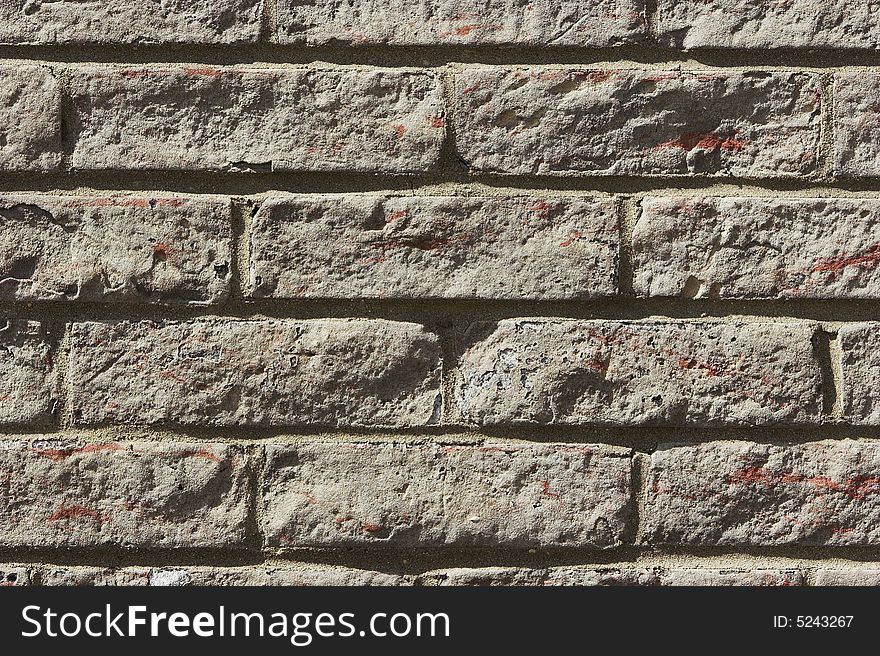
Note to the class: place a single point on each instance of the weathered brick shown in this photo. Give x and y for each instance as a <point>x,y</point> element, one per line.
<point>130,495</point>
<point>860,367</point>
<point>124,248</point>
<point>762,24</point>
<point>434,247</point>
<point>743,493</point>
<point>847,577</point>
<point>334,494</point>
<point>123,21</point>
<point>321,372</point>
<point>585,576</point>
<point>857,124</point>
<point>30,119</point>
<point>757,248</point>
<point>305,575</point>
<point>629,373</point>
<point>637,122</point>
<point>595,23</point>
<point>248,119</point>
<point>29,382</point>
<point>94,576</point>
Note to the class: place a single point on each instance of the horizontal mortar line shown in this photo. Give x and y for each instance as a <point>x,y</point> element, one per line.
<point>646,54</point>
<point>259,185</point>
<point>438,313</point>
<point>638,439</point>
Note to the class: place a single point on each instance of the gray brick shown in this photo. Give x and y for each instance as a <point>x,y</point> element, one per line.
<point>434,247</point>
<point>122,21</point>
<point>757,248</point>
<point>94,576</point>
<point>304,575</point>
<point>236,373</point>
<point>761,24</point>
<point>596,23</point>
<point>248,119</point>
<point>630,373</point>
<point>30,119</point>
<point>848,577</point>
<point>747,494</point>
<point>857,124</point>
<point>860,367</point>
<point>637,122</point>
<point>334,494</point>
<point>608,576</point>
<point>119,249</point>
<point>131,495</point>
<point>28,382</point>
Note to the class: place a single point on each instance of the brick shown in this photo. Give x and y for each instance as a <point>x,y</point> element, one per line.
<point>94,576</point>
<point>848,577</point>
<point>747,494</point>
<point>631,373</point>
<point>760,24</point>
<point>597,23</point>
<point>332,494</point>
<point>30,119</point>
<point>857,125</point>
<point>434,247</point>
<point>115,249</point>
<point>546,121</point>
<point>757,248</point>
<point>248,119</point>
<point>121,21</point>
<point>239,373</point>
<point>860,367</point>
<point>125,495</point>
<point>28,382</point>
<point>306,575</point>
<point>585,576</point>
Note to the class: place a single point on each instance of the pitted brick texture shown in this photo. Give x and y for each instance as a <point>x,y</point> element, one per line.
<point>123,21</point>
<point>847,577</point>
<point>857,124</point>
<point>546,121</point>
<point>496,22</point>
<point>138,494</point>
<point>760,24</point>
<point>860,372</point>
<point>747,494</point>
<point>114,249</point>
<point>757,248</point>
<point>30,119</point>
<point>249,119</point>
<point>583,576</point>
<point>333,494</point>
<point>434,247</point>
<point>238,373</point>
<point>28,376</point>
<point>631,373</point>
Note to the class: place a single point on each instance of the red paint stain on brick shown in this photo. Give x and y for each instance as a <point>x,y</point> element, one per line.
<point>470,89</point>
<point>868,259</point>
<point>706,141</point>
<point>75,512</point>
<point>202,453</point>
<point>690,363</point>
<point>396,216</point>
<point>206,72</point>
<point>437,122</point>
<point>400,131</point>
<point>61,454</point>
<point>572,238</point>
<point>162,251</point>
<point>371,528</point>
<point>857,488</point>
<point>545,490</point>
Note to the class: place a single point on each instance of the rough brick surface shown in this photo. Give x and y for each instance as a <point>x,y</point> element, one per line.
<point>324,372</point>
<point>309,575</point>
<point>139,494</point>
<point>856,124</point>
<point>333,494</point>
<point>30,119</point>
<point>585,576</point>
<point>14,575</point>
<point>237,119</point>
<point>742,493</point>
<point>757,248</point>
<point>761,24</point>
<point>630,373</point>
<point>860,367</point>
<point>847,577</point>
<point>125,248</point>
<point>93,576</point>
<point>434,247</point>
<point>124,21</point>
<point>495,22</point>
<point>28,377</point>
<point>635,122</point>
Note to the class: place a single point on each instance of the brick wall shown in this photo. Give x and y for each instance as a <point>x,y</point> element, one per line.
<point>410,292</point>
